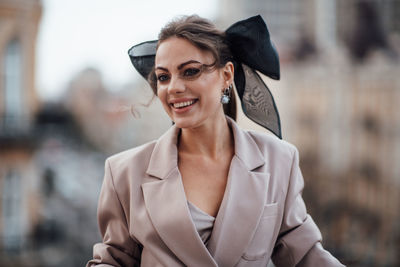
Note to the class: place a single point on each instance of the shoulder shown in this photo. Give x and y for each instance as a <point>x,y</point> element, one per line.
<point>136,158</point>
<point>133,154</point>
<point>274,150</point>
<point>271,142</point>
<point>281,161</point>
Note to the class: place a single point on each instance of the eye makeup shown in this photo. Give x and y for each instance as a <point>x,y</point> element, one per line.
<point>189,70</point>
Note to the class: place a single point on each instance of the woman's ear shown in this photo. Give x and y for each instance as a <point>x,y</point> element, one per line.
<point>228,73</point>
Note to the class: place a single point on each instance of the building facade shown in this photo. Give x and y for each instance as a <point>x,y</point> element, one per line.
<point>19,21</point>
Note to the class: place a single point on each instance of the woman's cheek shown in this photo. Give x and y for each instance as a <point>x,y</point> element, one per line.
<point>161,93</point>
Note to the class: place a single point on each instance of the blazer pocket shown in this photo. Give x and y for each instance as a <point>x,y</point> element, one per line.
<point>270,210</point>
<point>261,244</point>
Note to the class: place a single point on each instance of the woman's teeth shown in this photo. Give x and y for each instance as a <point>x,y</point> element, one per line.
<point>183,104</point>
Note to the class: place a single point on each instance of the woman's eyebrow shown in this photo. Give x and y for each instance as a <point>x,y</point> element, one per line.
<point>186,63</point>
<point>180,66</point>
<point>161,68</point>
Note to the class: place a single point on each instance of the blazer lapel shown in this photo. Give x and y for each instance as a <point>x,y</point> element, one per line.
<point>243,201</point>
<point>166,204</point>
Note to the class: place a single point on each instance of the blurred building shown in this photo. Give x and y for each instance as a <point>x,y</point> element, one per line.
<point>18,102</point>
<point>52,154</point>
<point>338,99</point>
<point>70,172</point>
<point>344,121</point>
<point>50,175</point>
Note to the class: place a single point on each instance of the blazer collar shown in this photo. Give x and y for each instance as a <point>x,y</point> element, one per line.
<point>165,154</point>
<point>246,149</point>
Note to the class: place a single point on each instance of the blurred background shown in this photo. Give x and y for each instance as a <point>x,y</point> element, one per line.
<point>69,98</point>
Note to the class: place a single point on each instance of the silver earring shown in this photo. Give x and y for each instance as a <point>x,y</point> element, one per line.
<point>226,95</point>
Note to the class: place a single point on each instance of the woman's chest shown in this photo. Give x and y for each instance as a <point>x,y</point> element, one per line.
<point>204,182</point>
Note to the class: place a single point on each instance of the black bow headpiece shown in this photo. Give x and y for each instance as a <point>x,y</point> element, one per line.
<point>252,50</point>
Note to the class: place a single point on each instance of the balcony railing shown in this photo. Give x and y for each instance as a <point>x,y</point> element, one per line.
<point>15,130</point>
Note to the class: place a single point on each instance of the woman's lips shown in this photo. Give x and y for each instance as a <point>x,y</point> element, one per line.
<point>183,106</point>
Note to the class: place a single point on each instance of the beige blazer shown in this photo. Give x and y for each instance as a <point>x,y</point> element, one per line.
<point>144,217</point>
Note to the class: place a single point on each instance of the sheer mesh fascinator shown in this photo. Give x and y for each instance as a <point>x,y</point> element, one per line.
<point>252,51</point>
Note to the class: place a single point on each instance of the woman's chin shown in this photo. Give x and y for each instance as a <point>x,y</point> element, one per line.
<point>185,122</point>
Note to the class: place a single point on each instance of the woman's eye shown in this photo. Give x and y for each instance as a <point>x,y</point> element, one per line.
<point>191,72</point>
<point>162,77</point>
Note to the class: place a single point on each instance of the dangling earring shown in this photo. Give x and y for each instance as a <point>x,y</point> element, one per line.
<point>226,95</point>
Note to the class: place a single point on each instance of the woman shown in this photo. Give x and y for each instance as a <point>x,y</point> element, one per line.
<point>208,193</point>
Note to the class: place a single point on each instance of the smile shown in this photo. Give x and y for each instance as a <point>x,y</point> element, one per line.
<point>183,104</point>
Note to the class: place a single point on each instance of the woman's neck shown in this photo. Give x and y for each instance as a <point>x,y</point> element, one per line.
<point>210,140</point>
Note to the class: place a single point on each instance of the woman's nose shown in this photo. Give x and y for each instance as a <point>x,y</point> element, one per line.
<point>176,86</point>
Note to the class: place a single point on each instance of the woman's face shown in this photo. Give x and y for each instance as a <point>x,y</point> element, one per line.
<point>189,92</point>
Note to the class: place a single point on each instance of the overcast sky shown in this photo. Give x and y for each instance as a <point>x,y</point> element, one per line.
<point>76,34</point>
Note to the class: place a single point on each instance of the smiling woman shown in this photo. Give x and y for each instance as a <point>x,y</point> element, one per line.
<point>211,48</point>
<point>188,84</point>
<point>208,193</point>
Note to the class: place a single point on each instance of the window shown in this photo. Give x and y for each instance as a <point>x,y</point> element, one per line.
<point>12,84</point>
<point>11,209</point>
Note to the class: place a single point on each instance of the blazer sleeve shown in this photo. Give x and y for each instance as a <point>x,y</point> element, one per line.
<point>299,239</point>
<point>117,248</point>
